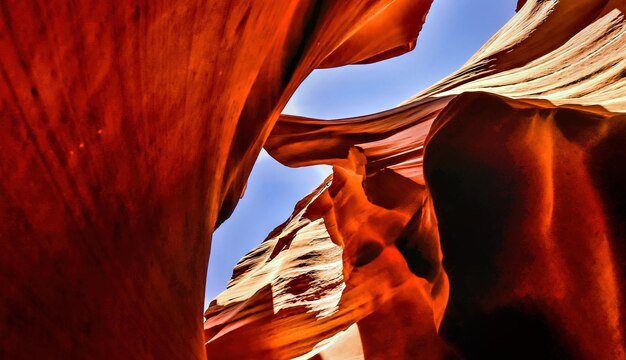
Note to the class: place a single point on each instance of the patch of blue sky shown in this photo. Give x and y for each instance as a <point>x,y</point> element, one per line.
<point>454,31</point>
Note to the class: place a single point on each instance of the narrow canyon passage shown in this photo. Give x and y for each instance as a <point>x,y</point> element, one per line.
<point>130,129</point>
<point>474,219</point>
<point>484,217</point>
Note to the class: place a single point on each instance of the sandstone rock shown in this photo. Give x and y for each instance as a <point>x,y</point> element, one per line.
<point>483,218</point>
<point>128,133</point>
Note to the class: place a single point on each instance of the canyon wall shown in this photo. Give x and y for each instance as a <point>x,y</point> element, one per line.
<point>483,218</point>
<point>128,132</point>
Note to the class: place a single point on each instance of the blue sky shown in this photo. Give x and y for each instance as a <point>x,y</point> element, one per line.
<point>454,31</point>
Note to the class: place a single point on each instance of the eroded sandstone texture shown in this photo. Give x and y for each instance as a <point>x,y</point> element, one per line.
<point>484,218</point>
<point>128,130</point>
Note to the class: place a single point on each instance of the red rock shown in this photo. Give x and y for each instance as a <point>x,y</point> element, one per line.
<point>484,218</point>
<point>128,132</point>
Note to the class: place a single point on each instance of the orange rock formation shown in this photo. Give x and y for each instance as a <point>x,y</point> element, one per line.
<point>128,133</point>
<point>483,218</point>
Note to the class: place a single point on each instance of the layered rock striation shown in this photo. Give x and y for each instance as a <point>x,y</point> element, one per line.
<point>483,218</point>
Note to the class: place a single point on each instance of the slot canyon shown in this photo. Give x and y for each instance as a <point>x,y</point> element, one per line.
<point>483,218</point>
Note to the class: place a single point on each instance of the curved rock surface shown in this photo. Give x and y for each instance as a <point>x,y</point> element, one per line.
<point>483,218</point>
<point>128,133</point>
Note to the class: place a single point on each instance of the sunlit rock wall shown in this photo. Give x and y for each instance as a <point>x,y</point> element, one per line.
<point>128,132</point>
<point>483,218</point>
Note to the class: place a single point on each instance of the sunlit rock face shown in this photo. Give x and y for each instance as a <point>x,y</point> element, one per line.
<point>483,218</point>
<point>128,132</point>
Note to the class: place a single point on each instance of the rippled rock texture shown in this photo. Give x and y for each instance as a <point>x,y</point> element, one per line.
<point>485,218</point>
<point>128,132</point>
